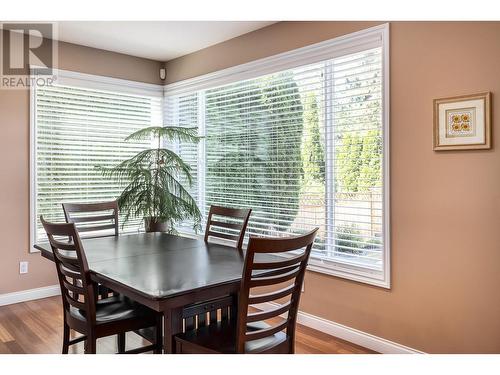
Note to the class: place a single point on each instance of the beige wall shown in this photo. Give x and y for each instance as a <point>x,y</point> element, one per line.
<point>445,206</point>
<point>14,161</point>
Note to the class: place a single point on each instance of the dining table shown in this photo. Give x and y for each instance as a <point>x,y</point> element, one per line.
<point>163,271</point>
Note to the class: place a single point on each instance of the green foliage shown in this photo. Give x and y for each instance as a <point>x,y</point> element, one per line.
<point>312,150</point>
<point>283,136</point>
<point>359,143</point>
<point>259,138</point>
<point>150,179</point>
<point>371,168</point>
<point>348,240</point>
<point>349,162</point>
<point>359,161</point>
<point>236,175</point>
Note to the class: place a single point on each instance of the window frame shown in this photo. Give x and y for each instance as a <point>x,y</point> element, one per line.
<point>377,36</point>
<point>78,80</point>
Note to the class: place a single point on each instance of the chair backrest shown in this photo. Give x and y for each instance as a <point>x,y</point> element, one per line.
<point>281,278</point>
<point>105,219</point>
<point>232,226</point>
<point>77,290</point>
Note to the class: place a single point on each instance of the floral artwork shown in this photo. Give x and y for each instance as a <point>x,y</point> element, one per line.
<point>462,122</point>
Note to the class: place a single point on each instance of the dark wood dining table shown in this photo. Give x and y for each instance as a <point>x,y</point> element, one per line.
<point>162,271</point>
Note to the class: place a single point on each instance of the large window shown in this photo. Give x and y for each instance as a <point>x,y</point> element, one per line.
<point>302,140</point>
<point>77,125</point>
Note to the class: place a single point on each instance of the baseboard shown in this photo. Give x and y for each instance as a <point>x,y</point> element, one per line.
<point>30,294</point>
<point>343,332</point>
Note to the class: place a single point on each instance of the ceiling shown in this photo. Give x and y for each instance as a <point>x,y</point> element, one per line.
<point>157,40</point>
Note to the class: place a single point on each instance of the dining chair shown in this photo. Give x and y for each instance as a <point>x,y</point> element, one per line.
<point>102,222</point>
<point>232,226</point>
<point>252,332</point>
<point>83,312</point>
<point>228,224</point>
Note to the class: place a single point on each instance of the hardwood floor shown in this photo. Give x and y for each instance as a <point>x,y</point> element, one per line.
<point>36,327</point>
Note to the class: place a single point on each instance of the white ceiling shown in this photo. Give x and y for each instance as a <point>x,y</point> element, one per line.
<point>157,40</point>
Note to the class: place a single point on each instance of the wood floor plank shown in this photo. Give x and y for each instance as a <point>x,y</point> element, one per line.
<point>5,335</point>
<point>36,327</point>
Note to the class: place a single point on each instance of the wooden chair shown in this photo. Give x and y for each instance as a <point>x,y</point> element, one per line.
<point>232,229</point>
<point>250,333</point>
<point>83,312</point>
<point>97,224</point>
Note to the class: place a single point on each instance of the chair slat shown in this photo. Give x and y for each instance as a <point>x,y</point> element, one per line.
<point>202,320</point>
<point>268,314</point>
<point>240,213</point>
<point>86,219</point>
<point>224,313</point>
<point>79,305</point>
<point>262,333</point>
<point>272,296</point>
<point>213,316</point>
<point>223,224</point>
<point>89,207</point>
<point>74,288</point>
<point>276,272</point>
<point>189,323</point>
<point>68,246</point>
<point>279,264</point>
<point>95,228</point>
<point>264,281</point>
<point>67,271</point>
<point>66,260</point>
<point>223,235</point>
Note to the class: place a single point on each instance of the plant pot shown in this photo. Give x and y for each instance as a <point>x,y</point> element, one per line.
<point>154,224</point>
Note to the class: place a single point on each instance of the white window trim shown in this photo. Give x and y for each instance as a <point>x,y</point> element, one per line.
<point>82,80</point>
<point>377,36</point>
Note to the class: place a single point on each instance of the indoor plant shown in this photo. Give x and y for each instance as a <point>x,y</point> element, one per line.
<point>151,178</point>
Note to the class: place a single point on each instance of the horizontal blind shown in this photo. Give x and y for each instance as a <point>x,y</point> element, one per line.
<point>356,151</point>
<point>78,129</point>
<point>183,111</point>
<point>301,147</point>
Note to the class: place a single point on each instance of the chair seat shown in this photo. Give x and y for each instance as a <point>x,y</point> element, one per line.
<point>117,308</point>
<point>147,333</point>
<point>221,338</point>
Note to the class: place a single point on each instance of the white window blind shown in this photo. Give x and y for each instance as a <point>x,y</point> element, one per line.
<point>303,147</point>
<point>77,129</point>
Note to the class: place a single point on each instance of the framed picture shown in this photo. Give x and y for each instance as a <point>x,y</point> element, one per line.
<point>462,122</point>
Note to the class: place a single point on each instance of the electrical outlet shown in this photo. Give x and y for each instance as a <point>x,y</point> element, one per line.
<point>23,267</point>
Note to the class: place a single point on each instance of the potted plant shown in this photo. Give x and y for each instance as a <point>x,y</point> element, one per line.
<point>151,178</point>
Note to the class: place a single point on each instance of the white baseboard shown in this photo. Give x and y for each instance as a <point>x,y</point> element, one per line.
<point>343,332</point>
<point>30,294</point>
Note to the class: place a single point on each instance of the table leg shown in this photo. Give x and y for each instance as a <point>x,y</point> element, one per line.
<point>172,326</point>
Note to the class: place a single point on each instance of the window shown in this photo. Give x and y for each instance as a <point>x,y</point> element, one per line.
<point>302,139</point>
<point>77,125</point>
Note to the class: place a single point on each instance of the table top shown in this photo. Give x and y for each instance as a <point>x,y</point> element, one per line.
<point>160,265</point>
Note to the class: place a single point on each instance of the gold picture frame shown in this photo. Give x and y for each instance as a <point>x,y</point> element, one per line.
<point>462,122</point>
